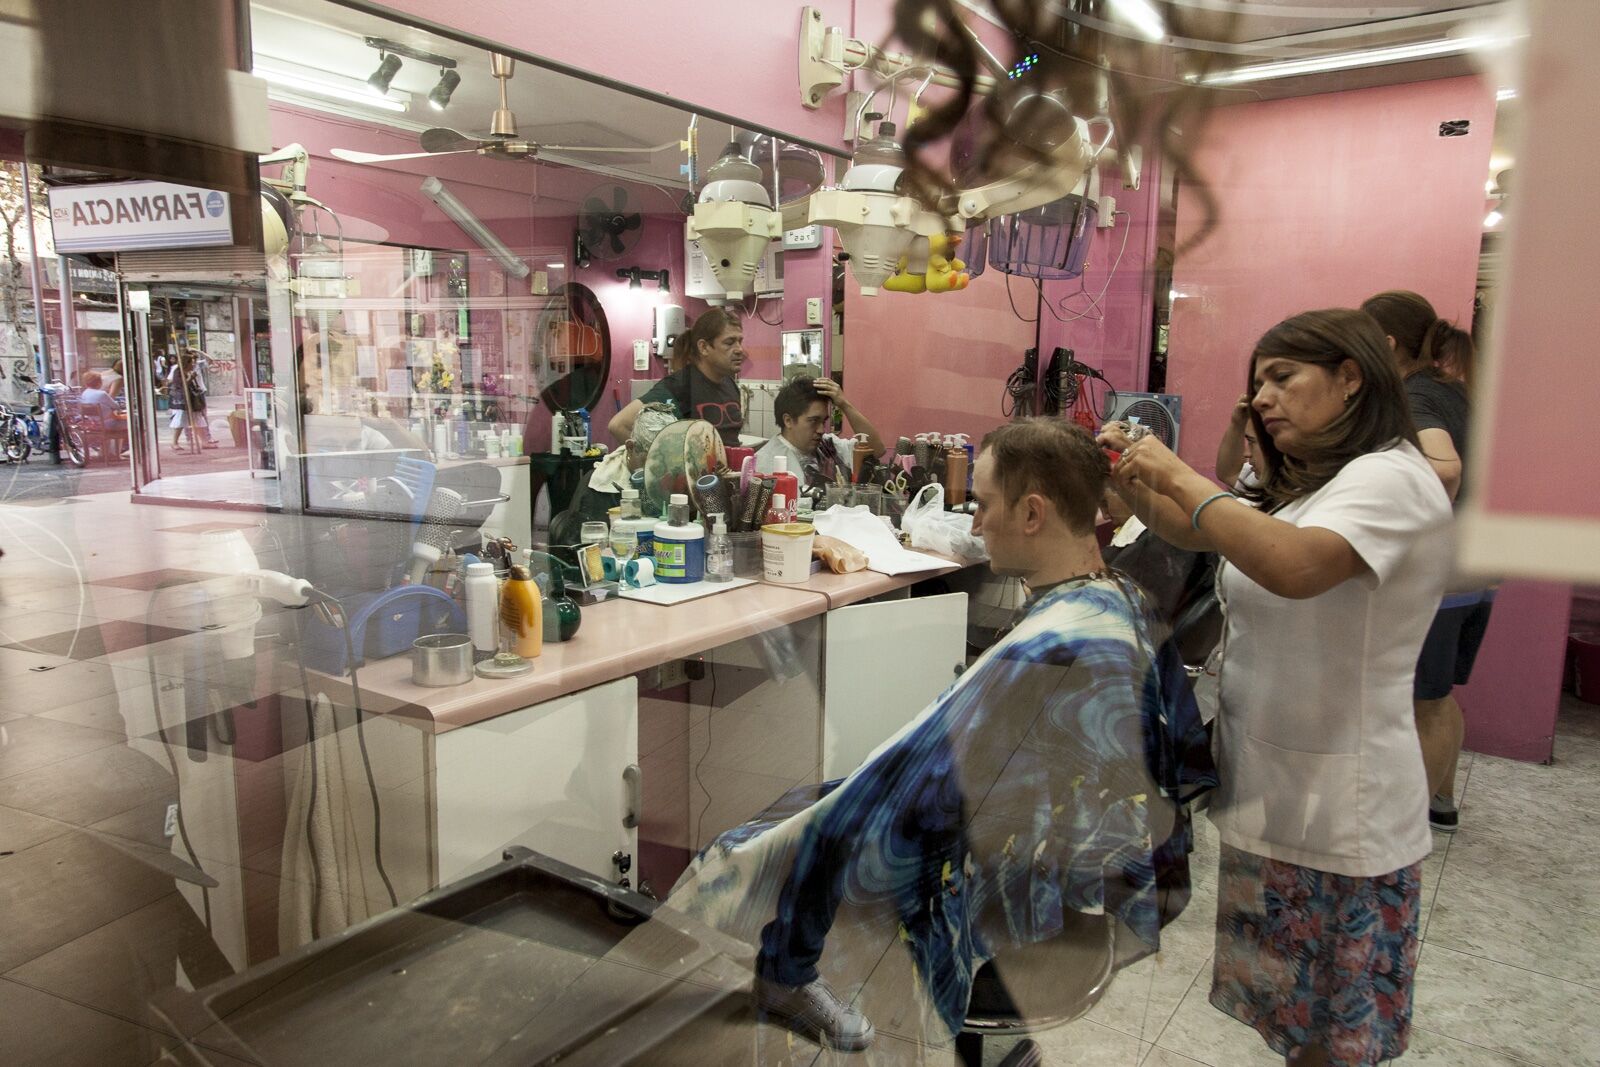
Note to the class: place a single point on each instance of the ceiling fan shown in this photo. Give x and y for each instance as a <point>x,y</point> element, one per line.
<point>501,142</point>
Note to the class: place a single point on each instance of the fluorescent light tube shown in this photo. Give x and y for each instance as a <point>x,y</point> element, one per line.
<point>462,216</point>
<point>1290,68</point>
<point>327,87</point>
<point>1142,16</point>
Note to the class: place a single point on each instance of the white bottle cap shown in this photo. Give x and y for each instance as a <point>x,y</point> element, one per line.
<point>480,568</point>
<point>630,494</point>
<point>780,465</point>
<point>720,526</point>
<point>779,502</point>
<point>679,498</point>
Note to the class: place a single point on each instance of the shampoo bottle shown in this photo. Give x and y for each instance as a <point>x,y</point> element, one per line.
<point>680,556</point>
<point>521,622</point>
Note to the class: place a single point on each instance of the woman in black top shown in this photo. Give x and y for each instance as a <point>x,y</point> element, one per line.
<point>1423,344</point>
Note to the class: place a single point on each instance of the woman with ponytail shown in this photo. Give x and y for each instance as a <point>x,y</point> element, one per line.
<point>1432,356</point>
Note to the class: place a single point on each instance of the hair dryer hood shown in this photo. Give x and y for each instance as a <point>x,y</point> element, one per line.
<point>734,237</point>
<point>734,179</point>
<point>874,227</point>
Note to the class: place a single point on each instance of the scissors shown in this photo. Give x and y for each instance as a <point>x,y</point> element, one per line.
<point>896,482</point>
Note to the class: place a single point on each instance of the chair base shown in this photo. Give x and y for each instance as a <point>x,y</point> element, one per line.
<point>1026,1053</point>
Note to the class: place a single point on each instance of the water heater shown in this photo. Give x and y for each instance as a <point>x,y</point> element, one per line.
<point>669,324</point>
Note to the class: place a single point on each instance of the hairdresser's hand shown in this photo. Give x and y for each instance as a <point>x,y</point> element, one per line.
<point>1146,462</point>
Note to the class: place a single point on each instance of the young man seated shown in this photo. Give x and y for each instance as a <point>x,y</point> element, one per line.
<point>1046,780</point>
<point>813,454</point>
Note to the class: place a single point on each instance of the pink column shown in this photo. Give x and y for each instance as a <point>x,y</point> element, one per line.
<point>1515,693</point>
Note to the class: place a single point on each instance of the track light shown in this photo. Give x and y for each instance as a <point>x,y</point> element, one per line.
<point>388,67</point>
<point>440,96</point>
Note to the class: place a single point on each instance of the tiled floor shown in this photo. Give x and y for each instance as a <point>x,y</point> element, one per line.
<point>108,910</point>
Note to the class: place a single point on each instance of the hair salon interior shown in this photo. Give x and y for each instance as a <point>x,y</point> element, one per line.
<point>736,532</point>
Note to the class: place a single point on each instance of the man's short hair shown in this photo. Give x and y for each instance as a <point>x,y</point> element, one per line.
<point>795,399</point>
<point>1057,459</point>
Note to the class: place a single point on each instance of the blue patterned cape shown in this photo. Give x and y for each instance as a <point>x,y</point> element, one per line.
<point>1046,778</point>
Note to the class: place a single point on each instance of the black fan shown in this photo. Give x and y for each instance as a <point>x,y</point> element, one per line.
<point>607,227</point>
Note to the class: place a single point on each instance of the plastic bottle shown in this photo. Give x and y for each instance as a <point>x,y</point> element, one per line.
<point>785,486</point>
<point>558,431</point>
<point>680,556</point>
<point>955,475</point>
<point>521,614</point>
<point>779,511</point>
<point>719,553</point>
<point>483,608</point>
<point>463,434</point>
<point>441,440</point>
<point>588,438</point>
<point>514,443</point>
<point>633,520</point>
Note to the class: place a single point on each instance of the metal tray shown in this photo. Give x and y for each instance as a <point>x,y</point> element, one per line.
<point>531,961</point>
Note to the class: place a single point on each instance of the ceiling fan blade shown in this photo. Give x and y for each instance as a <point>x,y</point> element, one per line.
<point>596,149</point>
<point>351,156</point>
<point>439,139</point>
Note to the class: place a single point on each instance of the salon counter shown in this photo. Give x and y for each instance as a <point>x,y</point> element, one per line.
<point>620,637</point>
<point>656,728</point>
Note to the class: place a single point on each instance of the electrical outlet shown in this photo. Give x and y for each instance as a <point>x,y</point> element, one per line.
<point>671,674</point>
<point>641,355</point>
<point>814,311</point>
<point>169,826</point>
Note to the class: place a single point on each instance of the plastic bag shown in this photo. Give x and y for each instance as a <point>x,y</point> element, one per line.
<point>933,528</point>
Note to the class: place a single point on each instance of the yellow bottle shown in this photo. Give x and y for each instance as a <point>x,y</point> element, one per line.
<point>521,624</point>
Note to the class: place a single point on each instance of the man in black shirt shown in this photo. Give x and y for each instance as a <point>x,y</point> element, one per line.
<point>707,386</point>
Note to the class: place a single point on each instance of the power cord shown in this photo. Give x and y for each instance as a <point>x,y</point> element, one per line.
<point>711,712</point>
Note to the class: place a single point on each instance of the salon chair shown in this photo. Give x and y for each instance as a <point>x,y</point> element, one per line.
<point>1038,987</point>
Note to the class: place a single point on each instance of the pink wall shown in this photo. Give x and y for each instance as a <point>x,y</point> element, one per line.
<point>935,361</point>
<point>732,56</point>
<point>1541,352</point>
<point>1325,200</point>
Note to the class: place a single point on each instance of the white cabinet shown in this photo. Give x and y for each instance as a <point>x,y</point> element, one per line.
<point>883,663</point>
<point>560,777</point>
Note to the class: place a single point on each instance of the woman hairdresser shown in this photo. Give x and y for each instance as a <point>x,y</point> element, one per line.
<point>1422,341</point>
<point>1328,584</point>
<point>704,383</point>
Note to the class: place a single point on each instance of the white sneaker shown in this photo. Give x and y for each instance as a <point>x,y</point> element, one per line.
<point>816,1011</point>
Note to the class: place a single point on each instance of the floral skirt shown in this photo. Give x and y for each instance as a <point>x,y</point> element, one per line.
<point>1310,958</point>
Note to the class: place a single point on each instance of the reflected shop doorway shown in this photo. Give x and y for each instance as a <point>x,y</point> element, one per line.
<point>197,349</point>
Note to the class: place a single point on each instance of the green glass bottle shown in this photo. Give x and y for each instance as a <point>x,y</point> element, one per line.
<point>561,614</point>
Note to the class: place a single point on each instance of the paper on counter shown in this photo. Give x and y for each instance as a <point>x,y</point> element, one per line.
<point>860,528</point>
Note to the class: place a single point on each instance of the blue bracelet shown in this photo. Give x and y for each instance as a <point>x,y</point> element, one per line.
<point>1194,519</point>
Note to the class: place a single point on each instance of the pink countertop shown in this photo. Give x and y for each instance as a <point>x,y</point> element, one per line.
<point>617,638</point>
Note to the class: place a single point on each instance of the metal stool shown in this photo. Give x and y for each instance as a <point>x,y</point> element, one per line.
<point>1037,987</point>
